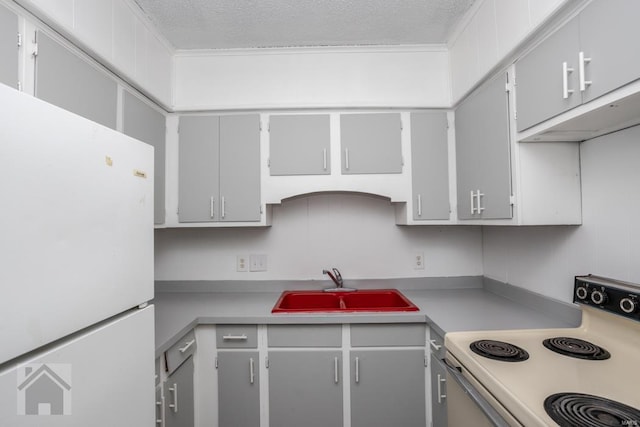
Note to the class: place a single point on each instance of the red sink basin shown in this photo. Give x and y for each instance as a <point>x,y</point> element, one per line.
<point>358,301</point>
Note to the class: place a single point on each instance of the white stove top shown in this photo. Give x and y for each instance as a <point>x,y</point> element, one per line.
<point>522,387</point>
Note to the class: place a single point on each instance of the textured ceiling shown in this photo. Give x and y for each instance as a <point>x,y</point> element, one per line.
<point>228,24</point>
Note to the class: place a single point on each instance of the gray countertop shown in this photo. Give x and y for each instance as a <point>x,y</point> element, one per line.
<point>463,304</point>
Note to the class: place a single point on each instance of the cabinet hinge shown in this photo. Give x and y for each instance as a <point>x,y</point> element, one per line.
<point>266,362</point>
<point>426,361</point>
<point>19,86</point>
<point>216,362</point>
<point>512,200</point>
<point>35,50</point>
<point>515,114</point>
<point>19,39</point>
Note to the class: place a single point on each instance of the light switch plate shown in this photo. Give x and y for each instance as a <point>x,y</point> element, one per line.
<point>258,262</point>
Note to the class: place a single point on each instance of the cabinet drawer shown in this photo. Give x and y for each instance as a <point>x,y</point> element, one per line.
<point>305,335</point>
<point>180,351</point>
<point>237,336</point>
<point>436,344</point>
<point>401,334</point>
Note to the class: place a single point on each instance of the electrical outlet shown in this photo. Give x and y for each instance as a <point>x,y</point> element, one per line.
<point>418,261</point>
<point>242,263</point>
<point>258,262</point>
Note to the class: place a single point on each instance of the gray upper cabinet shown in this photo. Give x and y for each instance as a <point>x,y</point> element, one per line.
<point>388,388</point>
<point>8,47</point>
<point>238,389</point>
<point>299,144</point>
<point>219,168</point>
<point>146,124</point>
<point>589,56</point>
<point>482,153</point>
<point>429,170</point>
<point>371,143</point>
<point>68,81</point>
<point>179,396</point>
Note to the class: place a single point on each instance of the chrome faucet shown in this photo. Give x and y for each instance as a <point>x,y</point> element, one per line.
<point>335,276</point>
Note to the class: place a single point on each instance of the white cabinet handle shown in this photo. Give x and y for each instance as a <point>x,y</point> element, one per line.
<point>252,373</point>
<point>582,61</point>
<point>324,159</point>
<point>186,346</point>
<point>435,346</point>
<point>473,202</point>
<point>565,80</point>
<point>174,391</point>
<point>211,207</point>
<point>242,337</point>
<point>357,370</point>
<point>440,395</point>
<point>223,207</point>
<point>346,158</point>
<point>335,370</point>
<point>419,205</point>
<point>479,197</point>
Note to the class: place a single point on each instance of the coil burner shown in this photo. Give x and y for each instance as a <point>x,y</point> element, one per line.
<point>499,350</point>
<point>584,410</point>
<point>574,347</point>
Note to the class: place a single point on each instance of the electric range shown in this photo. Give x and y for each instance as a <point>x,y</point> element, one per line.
<point>575,377</point>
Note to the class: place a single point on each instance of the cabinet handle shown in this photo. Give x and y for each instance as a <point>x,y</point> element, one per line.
<point>186,346</point>
<point>211,207</point>
<point>440,395</point>
<point>346,158</point>
<point>174,391</point>
<point>357,370</point>
<point>473,202</point>
<point>335,370</point>
<point>324,159</point>
<point>479,199</point>
<point>435,346</point>
<point>582,61</point>
<point>565,80</point>
<point>242,337</point>
<point>252,373</point>
<point>223,207</point>
<point>419,205</point>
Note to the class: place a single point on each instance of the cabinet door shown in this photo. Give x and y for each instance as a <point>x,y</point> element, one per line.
<point>388,388</point>
<point>540,93</point>
<point>482,153</point>
<point>178,393</point>
<point>609,34</point>
<point>240,168</point>
<point>142,122</point>
<point>199,153</point>
<point>305,389</point>
<point>68,81</point>
<point>371,143</point>
<point>429,166</point>
<point>438,393</point>
<point>238,389</point>
<point>8,47</point>
<point>299,145</point>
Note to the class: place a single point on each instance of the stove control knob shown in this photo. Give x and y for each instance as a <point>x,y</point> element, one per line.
<point>628,305</point>
<point>599,297</point>
<point>581,292</point>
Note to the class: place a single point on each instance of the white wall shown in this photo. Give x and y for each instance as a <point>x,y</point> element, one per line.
<point>356,233</point>
<point>313,77</point>
<point>545,259</point>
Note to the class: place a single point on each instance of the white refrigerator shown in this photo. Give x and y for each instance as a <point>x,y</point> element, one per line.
<point>76,270</point>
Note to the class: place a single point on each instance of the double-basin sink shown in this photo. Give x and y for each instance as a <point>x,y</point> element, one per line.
<point>374,300</point>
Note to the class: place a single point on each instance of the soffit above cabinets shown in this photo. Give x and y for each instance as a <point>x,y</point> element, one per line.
<point>241,24</point>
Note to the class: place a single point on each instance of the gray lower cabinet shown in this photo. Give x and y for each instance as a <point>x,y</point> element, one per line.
<point>219,168</point>
<point>147,124</point>
<point>483,153</point>
<point>305,388</point>
<point>299,144</point>
<point>70,82</point>
<point>179,396</point>
<point>238,389</point>
<point>438,392</point>
<point>371,143</point>
<point>8,47</point>
<point>429,166</point>
<point>591,55</point>
<point>388,388</point>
